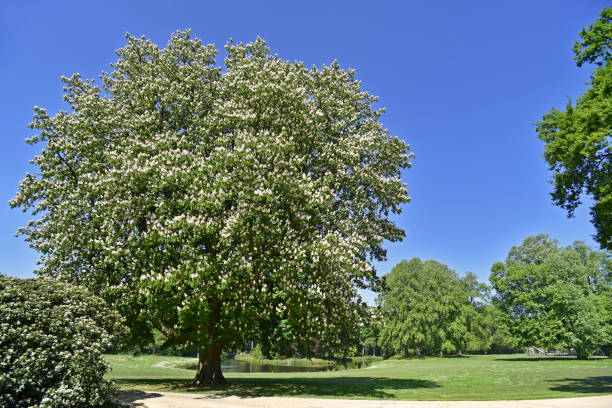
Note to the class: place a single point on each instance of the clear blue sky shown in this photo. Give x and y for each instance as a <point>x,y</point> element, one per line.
<point>463,83</point>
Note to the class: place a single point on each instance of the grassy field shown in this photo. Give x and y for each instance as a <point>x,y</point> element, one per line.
<point>493,377</point>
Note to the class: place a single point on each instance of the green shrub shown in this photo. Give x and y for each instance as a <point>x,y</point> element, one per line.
<point>256,352</point>
<point>52,336</point>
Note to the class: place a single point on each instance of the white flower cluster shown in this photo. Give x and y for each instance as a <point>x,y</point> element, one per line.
<point>52,336</point>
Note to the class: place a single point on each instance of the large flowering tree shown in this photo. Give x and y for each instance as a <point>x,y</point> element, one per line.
<point>217,205</point>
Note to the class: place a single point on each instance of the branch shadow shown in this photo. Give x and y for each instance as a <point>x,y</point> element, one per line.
<point>589,385</point>
<point>129,397</point>
<point>347,387</point>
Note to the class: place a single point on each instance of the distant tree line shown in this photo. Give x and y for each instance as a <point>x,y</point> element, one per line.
<point>543,295</point>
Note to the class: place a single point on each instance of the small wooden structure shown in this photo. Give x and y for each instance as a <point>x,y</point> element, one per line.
<point>535,351</point>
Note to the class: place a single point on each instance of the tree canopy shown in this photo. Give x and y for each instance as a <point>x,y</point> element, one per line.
<point>578,139</point>
<point>556,297</point>
<point>217,205</point>
<point>427,307</point>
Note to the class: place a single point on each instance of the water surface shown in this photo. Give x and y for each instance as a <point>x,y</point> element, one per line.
<point>240,366</point>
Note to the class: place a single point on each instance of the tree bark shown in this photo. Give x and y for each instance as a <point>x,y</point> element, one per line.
<point>209,366</point>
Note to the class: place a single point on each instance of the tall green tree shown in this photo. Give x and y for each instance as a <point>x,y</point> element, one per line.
<point>213,203</point>
<point>370,332</point>
<point>555,297</point>
<point>578,139</point>
<point>477,316</point>
<point>428,308</point>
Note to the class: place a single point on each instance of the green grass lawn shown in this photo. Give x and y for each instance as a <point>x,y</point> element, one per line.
<point>492,377</point>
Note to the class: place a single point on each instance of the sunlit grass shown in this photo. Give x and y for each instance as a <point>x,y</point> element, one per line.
<point>468,378</point>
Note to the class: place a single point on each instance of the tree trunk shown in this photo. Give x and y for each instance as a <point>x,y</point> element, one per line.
<point>209,366</point>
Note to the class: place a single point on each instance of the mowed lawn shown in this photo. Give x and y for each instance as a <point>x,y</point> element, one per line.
<point>492,377</point>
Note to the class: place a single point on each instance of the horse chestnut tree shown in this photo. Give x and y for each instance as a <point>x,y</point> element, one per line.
<point>217,205</point>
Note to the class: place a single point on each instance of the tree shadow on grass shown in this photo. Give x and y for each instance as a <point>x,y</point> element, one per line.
<point>589,385</point>
<point>347,387</point>
<point>129,397</point>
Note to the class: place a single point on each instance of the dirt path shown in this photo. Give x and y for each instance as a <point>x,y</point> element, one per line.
<point>176,400</point>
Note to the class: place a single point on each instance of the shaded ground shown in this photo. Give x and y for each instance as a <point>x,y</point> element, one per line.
<point>587,385</point>
<point>338,387</point>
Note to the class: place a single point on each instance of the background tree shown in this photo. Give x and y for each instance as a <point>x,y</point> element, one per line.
<point>52,336</point>
<point>502,340</point>
<point>370,332</point>
<point>553,297</point>
<point>428,308</point>
<point>209,204</point>
<point>603,306</point>
<point>477,316</point>
<point>578,139</point>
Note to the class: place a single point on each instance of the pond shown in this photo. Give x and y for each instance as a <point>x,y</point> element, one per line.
<point>240,366</point>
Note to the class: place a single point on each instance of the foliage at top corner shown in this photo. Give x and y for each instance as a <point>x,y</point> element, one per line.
<point>217,205</point>
<point>596,44</point>
<point>578,139</point>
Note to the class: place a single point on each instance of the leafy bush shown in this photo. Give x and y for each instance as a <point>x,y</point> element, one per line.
<point>52,336</point>
<point>256,352</point>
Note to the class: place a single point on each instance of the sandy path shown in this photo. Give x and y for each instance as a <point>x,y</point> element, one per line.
<point>175,400</point>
